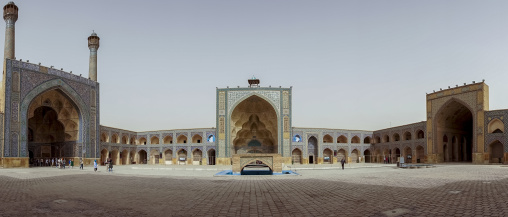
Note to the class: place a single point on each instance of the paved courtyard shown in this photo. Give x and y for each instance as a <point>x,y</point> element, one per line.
<point>359,190</point>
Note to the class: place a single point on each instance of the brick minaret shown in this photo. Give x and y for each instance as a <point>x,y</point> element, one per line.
<point>93,45</point>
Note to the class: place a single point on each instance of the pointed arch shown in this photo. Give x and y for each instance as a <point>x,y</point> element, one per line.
<point>367,140</point>
<point>396,137</point>
<point>104,137</point>
<point>496,152</point>
<point>142,141</point>
<point>386,138</point>
<point>342,139</point>
<point>407,136</point>
<point>76,101</point>
<point>197,138</point>
<point>327,156</point>
<point>114,138</point>
<point>456,119</point>
<point>296,156</point>
<point>154,140</point>
<point>496,126</point>
<point>125,139</point>
<point>168,140</point>
<point>355,139</point>
<point>181,139</point>
<point>327,139</point>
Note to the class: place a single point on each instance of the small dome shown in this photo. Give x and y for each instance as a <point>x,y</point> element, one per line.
<point>94,34</point>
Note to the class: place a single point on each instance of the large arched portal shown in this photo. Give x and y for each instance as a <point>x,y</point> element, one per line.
<point>254,127</point>
<point>53,126</point>
<point>456,121</point>
<point>312,150</point>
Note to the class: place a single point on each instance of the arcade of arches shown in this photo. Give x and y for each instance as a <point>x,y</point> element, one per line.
<point>127,157</point>
<point>53,126</point>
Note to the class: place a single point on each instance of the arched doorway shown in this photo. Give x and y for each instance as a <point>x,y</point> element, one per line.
<point>182,156</point>
<point>125,157</point>
<point>115,157</point>
<point>386,156</point>
<point>312,150</point>
<point>197,139</point>
<point>104,156</point>
<point>211,157</point>
<point>355,156</point>
<point>420,154</point>
<point>142,157</point>
<point>132,157</point>
<point>496,152</point>
<point>196,157</point>
<point>168,156</point>
<point>377,156</point>
<point>53,126</point>
<point>408,155</point>
<point>296,156</point>
<point>397,155</point>
<point>154,156</point>
<point>341,154</point>
<point>456,120</point>
<point>327,156</point>
<point>254,127</point>
<point>367,156</point>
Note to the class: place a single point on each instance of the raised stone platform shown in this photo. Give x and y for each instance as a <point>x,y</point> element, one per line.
<point>273,161</point>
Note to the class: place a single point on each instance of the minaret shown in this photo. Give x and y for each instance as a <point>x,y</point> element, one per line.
<point>10,17</point>
<point>93,45</point>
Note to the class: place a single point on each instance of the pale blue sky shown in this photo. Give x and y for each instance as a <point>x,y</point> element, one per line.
<point>352,64</point>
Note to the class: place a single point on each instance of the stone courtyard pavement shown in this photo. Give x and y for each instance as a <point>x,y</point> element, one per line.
<point>359,190</point>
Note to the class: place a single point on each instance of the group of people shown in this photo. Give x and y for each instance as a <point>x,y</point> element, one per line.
<point>42,162</point>
<point>55,162</point>
<point>386,159</point>
<point>108,163</point>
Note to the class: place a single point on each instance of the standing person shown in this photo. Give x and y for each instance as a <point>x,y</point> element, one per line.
<point>110,165</point>
<point>72,164</point>
<point>52,161</point>
<point>80,163</point>
<point>95,165</point>
<point>63,163</point>
<point>342,163</point>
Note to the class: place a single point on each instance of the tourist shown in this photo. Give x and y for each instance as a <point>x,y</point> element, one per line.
<point>342,163</point>
<point>63,163</point>
<point>95,165</point>
<point>72,164</point>
<point>110,165</point>
<point>52,161</point>
<point>80,163</point>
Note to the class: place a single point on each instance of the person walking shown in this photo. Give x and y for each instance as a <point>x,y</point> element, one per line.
<point>81,164</point>
<point>342,163</point>
<point>72,164</point>
<point>95,165</point>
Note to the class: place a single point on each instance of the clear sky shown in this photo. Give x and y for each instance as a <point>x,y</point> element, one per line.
<point>352,64</point>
